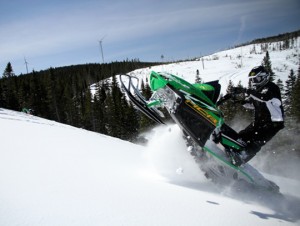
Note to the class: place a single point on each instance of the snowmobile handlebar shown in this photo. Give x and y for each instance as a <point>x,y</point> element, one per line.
<point>238,90</point>
<point>233,95</point>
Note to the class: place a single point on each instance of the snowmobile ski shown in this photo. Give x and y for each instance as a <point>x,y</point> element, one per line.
<point>137,98</point>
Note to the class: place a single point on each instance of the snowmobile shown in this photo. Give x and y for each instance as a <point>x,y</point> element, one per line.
<point>194,109</point>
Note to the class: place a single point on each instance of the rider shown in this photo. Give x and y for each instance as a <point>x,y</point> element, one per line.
<point>265,99</point>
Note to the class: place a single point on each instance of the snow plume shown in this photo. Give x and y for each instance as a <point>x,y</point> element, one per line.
<point>168,155</point>
<point>239,123</point>
<point>282,149</point>
<point>281,155</point>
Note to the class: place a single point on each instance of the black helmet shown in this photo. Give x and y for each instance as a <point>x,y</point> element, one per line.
<point>258,77</point>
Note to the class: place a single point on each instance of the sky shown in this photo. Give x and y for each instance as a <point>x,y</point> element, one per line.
<point>60,33</point>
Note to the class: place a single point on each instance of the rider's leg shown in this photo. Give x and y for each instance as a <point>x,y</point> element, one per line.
<point>231,135</point>
<point>232,143</point>
<point>257,136</point>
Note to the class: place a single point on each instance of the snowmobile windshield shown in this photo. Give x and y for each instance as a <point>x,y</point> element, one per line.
<point>204,87</point>
<point>157,81</point>
<point>211,89</point>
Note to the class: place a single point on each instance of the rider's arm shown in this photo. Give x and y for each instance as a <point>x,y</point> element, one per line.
<point>247,103</point>
<point>234,91</point>
<point>267,93</point>
<point>264,96</point>
<point>271,97</point>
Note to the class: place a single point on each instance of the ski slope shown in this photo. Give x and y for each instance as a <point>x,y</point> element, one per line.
<point>54,174</point>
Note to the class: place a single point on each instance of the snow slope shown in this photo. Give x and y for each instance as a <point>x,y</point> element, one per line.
<point>54,174</point>
<point>233,64</point>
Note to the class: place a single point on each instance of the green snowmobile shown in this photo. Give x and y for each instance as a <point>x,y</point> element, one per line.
<point>193,108</point>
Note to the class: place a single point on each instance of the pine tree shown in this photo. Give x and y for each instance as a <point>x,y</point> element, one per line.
<point>198,78</point>
<point>268,65</point>
<point>87,111</point>
<point>289,85</point>
<point>144,121</point>
<point>128,124</point>
<point>2,99</point>
<point>114,110</point>
<point>99,108</point>
<point>295,103</point>
<point>69,110</point>
<point>110,115</point>
<point>280,85</point>
<point>228,105</point>
<point>8,72</point>
<point>146,90</point>
<point>10,89</point>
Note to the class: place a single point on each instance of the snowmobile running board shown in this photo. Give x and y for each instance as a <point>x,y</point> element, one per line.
<point>137,98</point>
<point>237,168</point>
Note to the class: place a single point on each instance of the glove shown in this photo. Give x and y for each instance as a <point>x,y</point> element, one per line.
<point>250,91</point>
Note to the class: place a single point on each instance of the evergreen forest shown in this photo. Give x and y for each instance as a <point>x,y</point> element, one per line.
<point>64,95</point>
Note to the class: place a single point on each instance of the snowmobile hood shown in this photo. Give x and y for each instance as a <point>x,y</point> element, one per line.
<point>159,80</point>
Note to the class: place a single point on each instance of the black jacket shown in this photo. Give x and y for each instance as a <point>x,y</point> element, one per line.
<point>267,104</point>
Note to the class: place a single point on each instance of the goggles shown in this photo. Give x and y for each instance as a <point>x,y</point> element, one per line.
<point>256,78</point>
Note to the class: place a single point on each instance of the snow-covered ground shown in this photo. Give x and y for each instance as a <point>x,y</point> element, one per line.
<point>233,64</point>
<point>54,174</point>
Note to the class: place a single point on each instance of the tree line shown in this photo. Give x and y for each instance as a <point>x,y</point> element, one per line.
<point>64,95</point>
<point>285,41</point>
